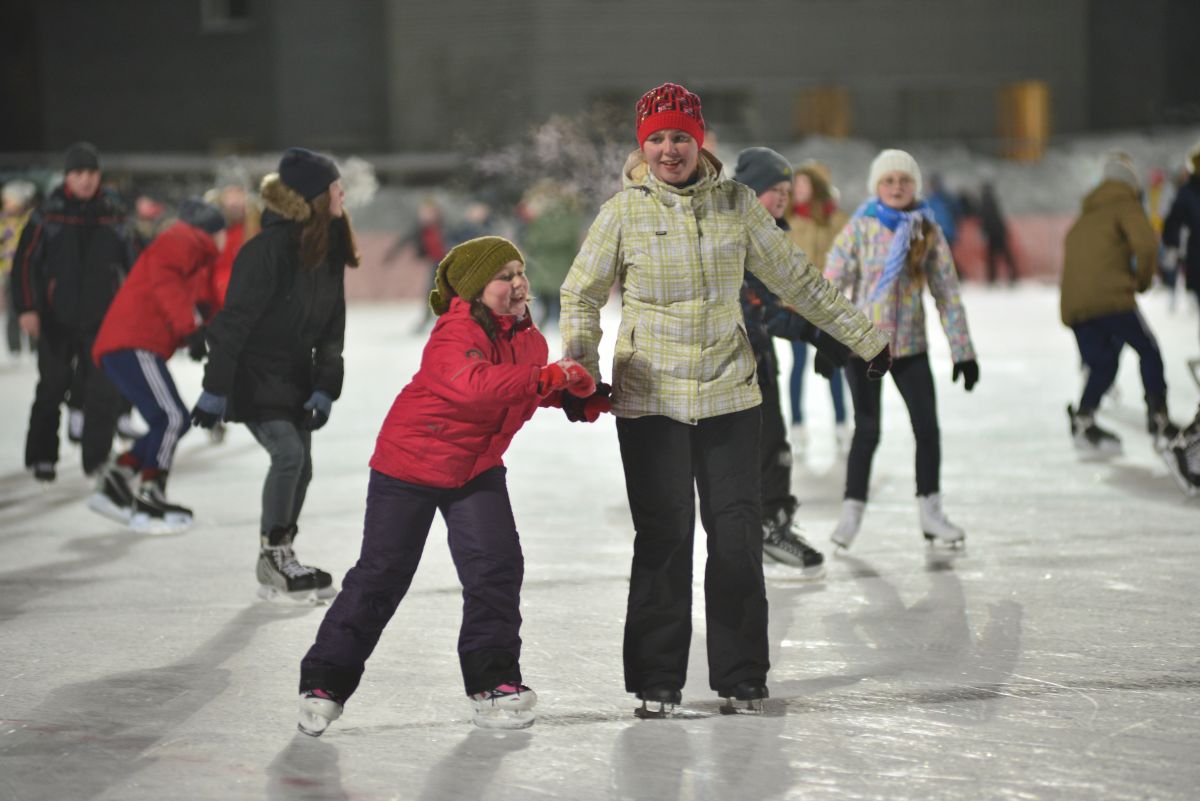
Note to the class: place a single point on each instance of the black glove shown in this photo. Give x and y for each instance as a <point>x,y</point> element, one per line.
<point>576,409</point>
<point>833,351</point>
<point>320,406</point>
<point>209,410</point>
<point>969,370</point>
<point>196,346</point>
<point>824,365</point>
<point>879,365</point>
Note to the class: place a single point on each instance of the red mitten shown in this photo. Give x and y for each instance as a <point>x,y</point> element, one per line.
<point>566,374</point>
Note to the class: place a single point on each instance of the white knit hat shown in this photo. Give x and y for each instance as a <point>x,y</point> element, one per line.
<point>893,161</point>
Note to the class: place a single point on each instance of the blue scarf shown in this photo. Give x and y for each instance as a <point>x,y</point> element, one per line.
<point>906,225</point>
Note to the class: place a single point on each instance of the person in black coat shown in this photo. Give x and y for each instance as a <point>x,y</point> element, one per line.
<point>1185,214</point>
<point>275,350</point>
<point>71,259</point>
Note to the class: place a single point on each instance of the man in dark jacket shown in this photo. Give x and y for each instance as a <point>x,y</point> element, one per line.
<point>1185,214</point>
<point>72,257</point>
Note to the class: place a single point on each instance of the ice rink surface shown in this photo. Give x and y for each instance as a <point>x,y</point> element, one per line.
<point>1059,658</point>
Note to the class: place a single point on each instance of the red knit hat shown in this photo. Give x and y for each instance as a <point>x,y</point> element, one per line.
<point>669,106</point>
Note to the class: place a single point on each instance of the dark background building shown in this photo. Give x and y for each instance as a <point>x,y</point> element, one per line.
<point>229,76</point>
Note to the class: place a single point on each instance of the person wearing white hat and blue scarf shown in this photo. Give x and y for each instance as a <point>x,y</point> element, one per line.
<point>889,251</point>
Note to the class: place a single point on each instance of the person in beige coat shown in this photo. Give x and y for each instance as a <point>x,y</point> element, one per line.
<point>1110,255</point>
<point>814,219</point>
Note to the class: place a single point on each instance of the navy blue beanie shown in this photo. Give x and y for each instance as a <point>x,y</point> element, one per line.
<point>307,172</point>
<point>204,216</point>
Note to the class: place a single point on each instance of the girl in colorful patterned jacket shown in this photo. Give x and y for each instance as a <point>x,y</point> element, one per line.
<point>680,238</point>
<point>889,251</point>
<point>482,375</point>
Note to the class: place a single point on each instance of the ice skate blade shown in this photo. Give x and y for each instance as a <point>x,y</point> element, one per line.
<point>299,598</point>
<point>102,505</point>
<point>505,719</point>
<point>654,710</point>
<point>316,714</point>
<point>143,523</point>
<point>753,706</point>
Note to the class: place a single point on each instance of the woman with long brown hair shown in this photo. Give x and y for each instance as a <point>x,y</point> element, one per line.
<point>884,258</point>
<point>275,350</point>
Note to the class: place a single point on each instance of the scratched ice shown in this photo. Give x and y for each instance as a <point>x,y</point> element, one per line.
<point>1057,659</point>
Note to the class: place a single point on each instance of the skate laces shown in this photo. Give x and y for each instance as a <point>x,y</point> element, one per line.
<point>284,559</point>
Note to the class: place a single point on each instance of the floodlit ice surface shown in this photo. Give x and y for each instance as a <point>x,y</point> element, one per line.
<point>1057,659</point>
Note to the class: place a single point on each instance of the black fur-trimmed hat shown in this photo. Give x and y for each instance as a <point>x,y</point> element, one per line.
<point>307,172</point>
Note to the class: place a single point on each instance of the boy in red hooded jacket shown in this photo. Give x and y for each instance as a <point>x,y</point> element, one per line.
<point>152,315</point>
<point>482,375</point>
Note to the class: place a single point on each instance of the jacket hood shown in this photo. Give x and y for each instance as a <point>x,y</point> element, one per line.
<point>637,173</point>
<point>284,201</point>
<point>1108,193</point>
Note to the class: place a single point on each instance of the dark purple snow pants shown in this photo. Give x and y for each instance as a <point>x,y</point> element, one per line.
<point>487,555</point>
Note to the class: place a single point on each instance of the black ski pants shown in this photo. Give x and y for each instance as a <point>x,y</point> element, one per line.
<point>915,382</point>
<point>775,453</point>
<point>665,462</point>
<point>61,352</point>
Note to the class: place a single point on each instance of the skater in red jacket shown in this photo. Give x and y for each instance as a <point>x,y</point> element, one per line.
<point>483,374</point>
<point>154,314</point>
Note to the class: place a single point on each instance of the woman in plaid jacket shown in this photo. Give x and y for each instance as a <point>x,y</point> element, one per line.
<point>679,239</point>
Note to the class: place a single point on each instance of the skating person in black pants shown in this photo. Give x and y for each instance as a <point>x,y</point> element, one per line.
<point>679,239</point>
<point>275,351</point>
<point>885,257</point>
<point>770,176</point>
<point>71,260</point>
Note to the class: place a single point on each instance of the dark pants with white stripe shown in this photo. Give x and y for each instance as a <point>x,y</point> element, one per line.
<point>1100,342</point>
<point>143,378</point>
<point>665,463</point>
<point>487,555</point>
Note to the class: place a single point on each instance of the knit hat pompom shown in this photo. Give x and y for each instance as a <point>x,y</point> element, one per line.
<point>306,171</point>
<point>669,106</point>
<point>468,268</point>
<point>760,168</point>
<point>81,156</point>
<point>893,161</point>
<point>205,216</point>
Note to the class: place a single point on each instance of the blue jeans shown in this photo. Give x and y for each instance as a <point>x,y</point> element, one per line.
<point>796,385</point>
<point>1100,343</point>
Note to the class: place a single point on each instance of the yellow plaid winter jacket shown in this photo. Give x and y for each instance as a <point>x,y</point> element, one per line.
<point>680,256</point>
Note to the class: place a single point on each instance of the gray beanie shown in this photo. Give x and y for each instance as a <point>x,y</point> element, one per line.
<point>760,168</point>
<point>205,216</point>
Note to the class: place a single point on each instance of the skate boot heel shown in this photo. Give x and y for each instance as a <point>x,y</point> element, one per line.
<point>744,698</point>
<point>317,710</point>
<point>658,703</point>
<point>508,706</point>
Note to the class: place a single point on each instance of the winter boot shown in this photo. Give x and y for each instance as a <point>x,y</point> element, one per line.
<point>849,523</point>
<point>152,512</point>
<point>783,542</point>
<point>114,493</point>
<point>44,472</point>
<point>506,706</point>
<point>318,708</point>
<point>937,528</point>
<point>282,577</point>
<point>1090,439</point>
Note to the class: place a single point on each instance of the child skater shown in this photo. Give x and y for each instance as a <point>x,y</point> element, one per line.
<point>153,314</point>
<point>482,375</point>
<point>889,251</point>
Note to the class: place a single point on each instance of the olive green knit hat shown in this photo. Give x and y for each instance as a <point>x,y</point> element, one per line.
<point>468,268</point>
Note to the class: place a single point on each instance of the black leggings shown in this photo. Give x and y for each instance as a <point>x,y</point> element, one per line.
<point>915,382</point>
